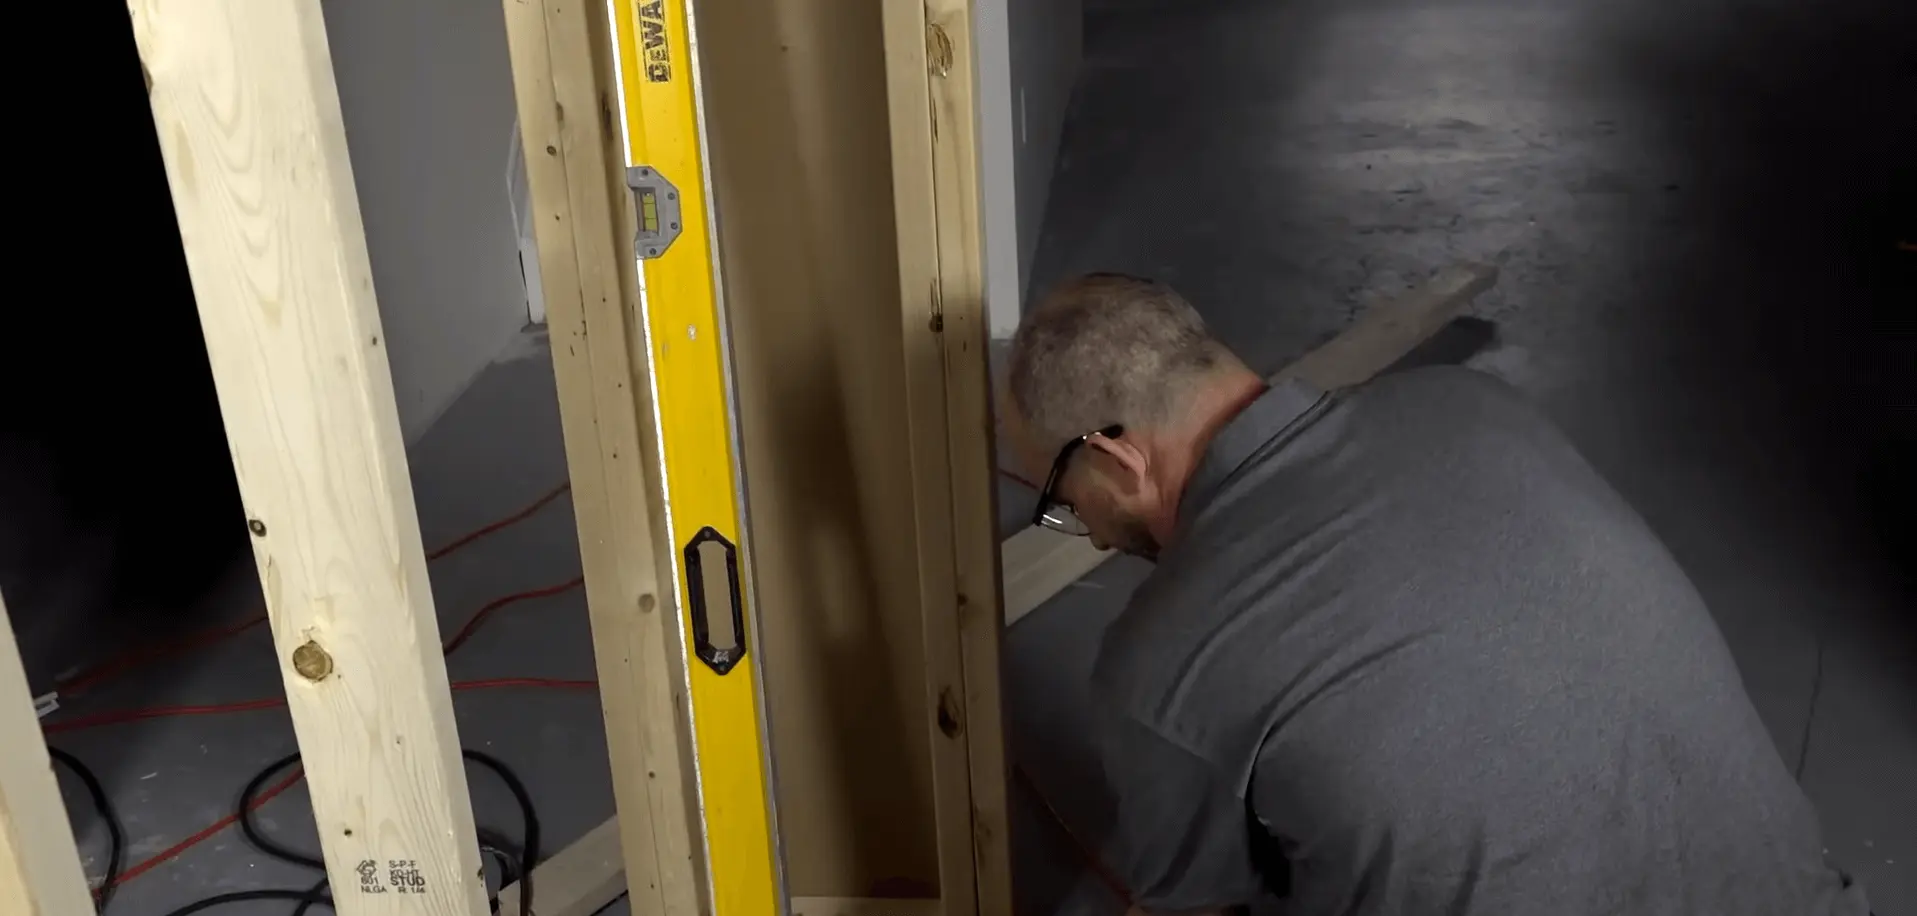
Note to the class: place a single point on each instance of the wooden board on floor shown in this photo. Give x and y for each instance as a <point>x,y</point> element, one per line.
<point>1389,332</point>
<point>580,879</point>
<point>249,124</point>
<point>1040,563</point>
<point>562,79</point>
<point>39,868</point>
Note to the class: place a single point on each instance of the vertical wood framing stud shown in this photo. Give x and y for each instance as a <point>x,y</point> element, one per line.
<point>249,122</point>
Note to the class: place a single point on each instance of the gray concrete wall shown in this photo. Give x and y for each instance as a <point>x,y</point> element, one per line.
<point>426,90</point>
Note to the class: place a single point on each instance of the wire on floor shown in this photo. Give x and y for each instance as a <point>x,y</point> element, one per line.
<point>205,833</point>
<point>306,899</point>
<point>209,831</point>
<point>128,661</point>
<point>116,875</point>
<point>472,623</point>
<point>459,639</point>
<point>515,860</point>
<point>123,716</point>
<point>527,512</point>
<point>116,834</point>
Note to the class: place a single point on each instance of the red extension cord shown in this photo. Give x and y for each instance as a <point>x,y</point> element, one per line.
<point>128,661</point>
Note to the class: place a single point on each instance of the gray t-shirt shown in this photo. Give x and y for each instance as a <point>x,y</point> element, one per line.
<point>1406,633</point>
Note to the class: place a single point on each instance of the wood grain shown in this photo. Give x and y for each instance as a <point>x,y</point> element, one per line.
<point>249,123</point>
<point>969,437</point>
<point>936,198</point>
<point>939,298</point>
<point>40,871</point>
<point>561,64</point>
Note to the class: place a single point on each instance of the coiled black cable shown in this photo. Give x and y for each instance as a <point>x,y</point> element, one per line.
<point>515,862</point>
<point>529,851</point>
<point>116,835</point>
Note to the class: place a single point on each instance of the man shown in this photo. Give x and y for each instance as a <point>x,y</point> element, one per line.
<point>1404,634</point>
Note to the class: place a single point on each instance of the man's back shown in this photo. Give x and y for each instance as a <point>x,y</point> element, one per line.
<point>1453,672</point>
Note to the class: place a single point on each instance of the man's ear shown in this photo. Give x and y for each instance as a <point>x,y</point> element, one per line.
<point>1129,457</point>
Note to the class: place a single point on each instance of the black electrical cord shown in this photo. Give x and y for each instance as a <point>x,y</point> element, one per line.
<point>504,854</point>
<point>314,898</point>
<point>248,811</point>
<point>305,898</point>
<point>116,836</point>
<point>515,864</point>
<point>529,851</point>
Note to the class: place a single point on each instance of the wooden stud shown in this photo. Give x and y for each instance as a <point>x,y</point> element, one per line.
<point>930,82</point>
<point>969,436</point>
<point>40,871</point>
<point>249,122</point>
<point>562,75</point>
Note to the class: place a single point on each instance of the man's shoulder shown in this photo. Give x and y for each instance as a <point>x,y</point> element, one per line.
<point>1451,428</point>
<point>1150,652</point>
<point>1135,644</point>
<point>1440,386</point>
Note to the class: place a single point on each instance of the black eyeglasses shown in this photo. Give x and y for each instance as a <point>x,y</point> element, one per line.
<point>1053,513</point>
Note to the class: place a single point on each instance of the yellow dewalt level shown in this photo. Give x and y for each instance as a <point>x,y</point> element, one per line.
<point>692,392</point>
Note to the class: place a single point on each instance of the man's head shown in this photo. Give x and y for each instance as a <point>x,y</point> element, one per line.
<point>1105,351</point>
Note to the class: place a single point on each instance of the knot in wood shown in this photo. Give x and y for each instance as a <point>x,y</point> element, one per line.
<point>312,662</point>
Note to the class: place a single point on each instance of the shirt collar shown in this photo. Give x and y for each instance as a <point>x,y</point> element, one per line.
<point>1266,418</point>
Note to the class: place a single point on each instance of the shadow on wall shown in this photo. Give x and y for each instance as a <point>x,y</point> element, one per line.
<point>118,504</point>
<point>1800,124</point>
<point>812,297</point>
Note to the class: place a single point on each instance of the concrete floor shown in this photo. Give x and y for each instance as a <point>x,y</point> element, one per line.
<point>1693,205</point>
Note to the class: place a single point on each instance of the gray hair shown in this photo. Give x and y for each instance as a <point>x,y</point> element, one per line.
<point>1107,348</point>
